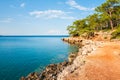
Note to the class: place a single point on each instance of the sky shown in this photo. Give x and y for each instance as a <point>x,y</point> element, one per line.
<point>42,17</point>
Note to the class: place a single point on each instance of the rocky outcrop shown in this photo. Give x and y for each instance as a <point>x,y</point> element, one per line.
<point>50,73</point>
<point>73,40</point>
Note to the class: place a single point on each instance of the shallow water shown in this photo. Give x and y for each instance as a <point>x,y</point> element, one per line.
<point>21,55</point>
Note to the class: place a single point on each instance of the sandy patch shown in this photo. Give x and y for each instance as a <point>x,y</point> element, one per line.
<point>102,64</point>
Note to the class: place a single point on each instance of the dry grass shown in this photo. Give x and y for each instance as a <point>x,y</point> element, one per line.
<point>103,64</point>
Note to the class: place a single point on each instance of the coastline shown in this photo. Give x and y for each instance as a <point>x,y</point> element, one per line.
<point>51,71</point>
<point>67,69</point>
<point>96,60</point>
<point>88,46</point>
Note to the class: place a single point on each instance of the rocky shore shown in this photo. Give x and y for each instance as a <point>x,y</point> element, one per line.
<point>75,63</point>
<point>88,46</point>
<point>75,60</point>
<point>50,73</point>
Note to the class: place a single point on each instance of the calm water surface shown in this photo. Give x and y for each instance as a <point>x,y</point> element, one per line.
<point>21,55</point>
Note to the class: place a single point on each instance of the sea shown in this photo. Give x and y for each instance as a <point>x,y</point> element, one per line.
<point>21,55</point>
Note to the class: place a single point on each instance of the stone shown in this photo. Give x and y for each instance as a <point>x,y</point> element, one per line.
<point>75,60</point>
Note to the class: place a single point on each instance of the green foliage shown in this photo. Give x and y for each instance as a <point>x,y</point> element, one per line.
<point>109,11</point>
<point>116,33</point>
<point>107,17</point>
<point>78,27</point>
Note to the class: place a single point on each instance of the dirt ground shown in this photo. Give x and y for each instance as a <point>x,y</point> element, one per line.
<point>102,64</point>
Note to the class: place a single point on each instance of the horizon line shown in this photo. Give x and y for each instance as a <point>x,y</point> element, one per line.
<point>31,35</point>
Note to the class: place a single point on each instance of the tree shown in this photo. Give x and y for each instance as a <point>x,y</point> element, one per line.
<point>108,9</point>
<point>107,17</point>
<point>93,21</point>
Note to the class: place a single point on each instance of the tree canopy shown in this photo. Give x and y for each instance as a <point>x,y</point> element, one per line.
<point>106,17</point>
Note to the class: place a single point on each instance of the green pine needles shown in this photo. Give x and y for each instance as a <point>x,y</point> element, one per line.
<point>106,17</point>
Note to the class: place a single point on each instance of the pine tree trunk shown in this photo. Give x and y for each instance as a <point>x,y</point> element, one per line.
<point>111,22</point>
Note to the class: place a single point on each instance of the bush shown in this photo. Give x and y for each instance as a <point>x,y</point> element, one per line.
<point>116,33</point>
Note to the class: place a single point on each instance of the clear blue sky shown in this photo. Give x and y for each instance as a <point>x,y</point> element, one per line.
<point>42,17</point>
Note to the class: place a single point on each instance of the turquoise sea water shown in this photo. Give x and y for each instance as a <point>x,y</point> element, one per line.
<point>21,55</point>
